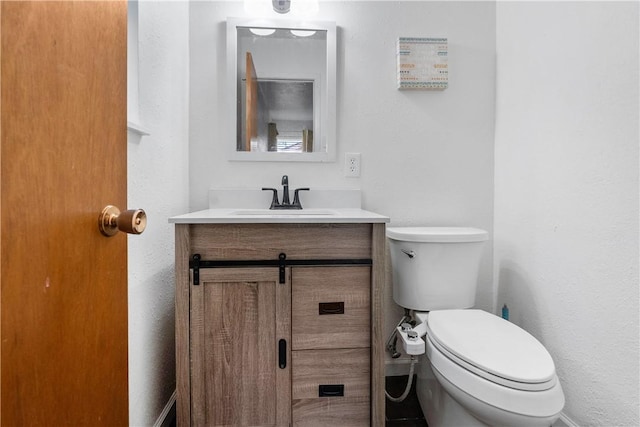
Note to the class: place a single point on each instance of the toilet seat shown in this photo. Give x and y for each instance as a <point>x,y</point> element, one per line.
<point>493,403</point>
<point>472,354</point>
<point>492,348</point>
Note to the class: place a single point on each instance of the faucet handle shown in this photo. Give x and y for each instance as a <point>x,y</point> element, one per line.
<point>274,201</point>
<point>296,198</point>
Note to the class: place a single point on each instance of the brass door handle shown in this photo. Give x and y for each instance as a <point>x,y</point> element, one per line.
<point>111,220</point>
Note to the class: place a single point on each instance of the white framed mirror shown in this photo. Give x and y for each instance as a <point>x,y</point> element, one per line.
<point>281,90</point>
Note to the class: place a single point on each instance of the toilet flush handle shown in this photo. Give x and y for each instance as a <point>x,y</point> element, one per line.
<point>409,253</point>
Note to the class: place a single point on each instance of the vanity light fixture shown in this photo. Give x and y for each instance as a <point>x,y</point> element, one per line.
<point>302,33</point>
<point>262,31</point>
<point>281,6</point>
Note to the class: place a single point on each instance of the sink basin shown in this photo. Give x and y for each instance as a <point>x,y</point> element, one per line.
<point>280,212</point>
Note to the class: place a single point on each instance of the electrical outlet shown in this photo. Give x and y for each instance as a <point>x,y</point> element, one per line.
<point>352,164</point>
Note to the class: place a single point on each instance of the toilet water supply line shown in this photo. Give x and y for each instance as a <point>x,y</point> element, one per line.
<point>404,395</point>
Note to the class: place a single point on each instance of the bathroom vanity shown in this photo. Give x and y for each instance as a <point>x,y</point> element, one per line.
<point>279,317</point>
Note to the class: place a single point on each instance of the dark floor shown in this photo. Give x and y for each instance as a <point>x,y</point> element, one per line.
<point>407,413</point>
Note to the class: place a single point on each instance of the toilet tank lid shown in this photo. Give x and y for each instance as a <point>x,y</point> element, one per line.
<point>437,234</point>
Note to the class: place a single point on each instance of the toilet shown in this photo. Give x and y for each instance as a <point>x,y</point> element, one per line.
<point>478,369</point>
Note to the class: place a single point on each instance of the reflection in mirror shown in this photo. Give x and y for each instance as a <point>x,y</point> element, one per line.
<point>276,113</point>
<point>282,118</point>
<point>284,84</point>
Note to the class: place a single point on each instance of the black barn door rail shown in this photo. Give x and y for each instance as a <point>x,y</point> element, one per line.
<point>196,263</point>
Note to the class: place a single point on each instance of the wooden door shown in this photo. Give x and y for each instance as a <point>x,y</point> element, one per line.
<point>238,317</point>
<point>251,101</point>
<point>63,286</point>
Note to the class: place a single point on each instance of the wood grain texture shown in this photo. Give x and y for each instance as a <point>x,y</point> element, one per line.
<point>235,327</point>
<point>314,285</point>
<point>335,411</point>
<point>251,83</point>
<point>306,241</point>
<point>267,241</point>
<point>63,148</point>
<point>349,367</point>
<point>378,243</point>
<point>183,359</point>
<point>1,268</point>
<point>283,331</point>
<point>336,366</point>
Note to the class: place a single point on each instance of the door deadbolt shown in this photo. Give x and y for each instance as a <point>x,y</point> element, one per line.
<point>111,221</point>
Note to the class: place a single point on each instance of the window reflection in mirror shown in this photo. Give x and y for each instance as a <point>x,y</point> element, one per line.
<point>283,121</point>
<point>284,84</point>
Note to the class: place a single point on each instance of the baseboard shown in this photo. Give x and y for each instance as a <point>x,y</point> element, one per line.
<point>565,421</point>
<point>168,415</point>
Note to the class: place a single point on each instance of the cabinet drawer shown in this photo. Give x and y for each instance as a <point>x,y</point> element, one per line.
<point>331,387</point>
<point>347,367</point>
<point>336,411</point>
<point>331,307</point>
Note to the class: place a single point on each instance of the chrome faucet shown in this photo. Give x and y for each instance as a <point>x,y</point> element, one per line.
<point>286,204</point>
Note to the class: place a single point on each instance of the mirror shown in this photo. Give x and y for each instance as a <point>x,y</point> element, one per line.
<point>282,84</point>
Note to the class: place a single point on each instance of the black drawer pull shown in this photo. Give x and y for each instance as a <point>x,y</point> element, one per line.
<point>331,308</point>
<point>330,390</point>
<point>282,353</point>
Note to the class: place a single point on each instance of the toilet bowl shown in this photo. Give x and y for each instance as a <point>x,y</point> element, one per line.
<point>479,369</point>
<point>494,370</point>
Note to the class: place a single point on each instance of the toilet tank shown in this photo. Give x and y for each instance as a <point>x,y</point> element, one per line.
<point>435,268</point>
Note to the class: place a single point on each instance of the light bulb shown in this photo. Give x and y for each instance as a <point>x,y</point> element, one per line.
<point>302,33</point>
<point>262,31</point>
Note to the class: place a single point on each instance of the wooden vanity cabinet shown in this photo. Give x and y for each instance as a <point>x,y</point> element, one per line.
<point>231,326</point>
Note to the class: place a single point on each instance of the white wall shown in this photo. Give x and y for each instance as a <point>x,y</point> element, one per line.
<point>158,182</point>
<point>427,157</point>
<point>566,195</point>
<point>566,172</point>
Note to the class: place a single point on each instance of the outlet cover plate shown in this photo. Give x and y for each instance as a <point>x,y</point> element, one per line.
<point>352,165</point>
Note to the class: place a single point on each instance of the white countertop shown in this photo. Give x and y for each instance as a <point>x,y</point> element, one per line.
<point>265,216</point>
